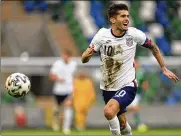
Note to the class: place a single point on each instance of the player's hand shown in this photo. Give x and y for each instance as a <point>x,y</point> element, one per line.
<point>170,74</point>
<point>90,50</point>
<point>87,54</point>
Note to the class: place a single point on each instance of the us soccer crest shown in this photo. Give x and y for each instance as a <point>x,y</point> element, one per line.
<point>129,40</point>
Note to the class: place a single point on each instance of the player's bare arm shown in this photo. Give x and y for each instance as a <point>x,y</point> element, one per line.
<point>156,52</point>
<point>145,85</point>
<point>87,54</point>
<point>54,77</point>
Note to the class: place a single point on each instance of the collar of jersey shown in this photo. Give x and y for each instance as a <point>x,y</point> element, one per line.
<point>117,36</point>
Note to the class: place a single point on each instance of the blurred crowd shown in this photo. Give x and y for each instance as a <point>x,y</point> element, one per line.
<point>157,19</point>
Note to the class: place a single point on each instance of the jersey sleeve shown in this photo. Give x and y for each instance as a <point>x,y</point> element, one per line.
<point>142,39</point>
<point>96,41</point>
<point>55,68</point>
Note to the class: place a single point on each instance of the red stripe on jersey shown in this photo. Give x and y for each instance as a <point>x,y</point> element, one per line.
<point>92,47</point>
<point>147,43</point>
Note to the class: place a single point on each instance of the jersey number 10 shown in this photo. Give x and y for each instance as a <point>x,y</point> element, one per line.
<point>120,93</point>
<point>108,50</point>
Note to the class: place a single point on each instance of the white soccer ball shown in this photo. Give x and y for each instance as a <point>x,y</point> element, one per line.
<point>17,85</point>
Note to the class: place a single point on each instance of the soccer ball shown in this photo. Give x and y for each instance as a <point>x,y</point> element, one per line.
<point>17,85</point>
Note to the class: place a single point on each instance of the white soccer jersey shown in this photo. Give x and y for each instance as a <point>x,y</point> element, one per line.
<point>65,71</point>
<point>117,56</point>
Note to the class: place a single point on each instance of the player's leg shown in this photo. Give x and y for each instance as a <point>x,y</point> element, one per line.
<point>56,113</point>
<point>124,125</point>
<point>110,111</point>
<point>68,115</point>
<point>125,96</point>
<point>135,108</point>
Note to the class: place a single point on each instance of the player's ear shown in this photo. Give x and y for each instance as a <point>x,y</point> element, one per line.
<point>113,20</point>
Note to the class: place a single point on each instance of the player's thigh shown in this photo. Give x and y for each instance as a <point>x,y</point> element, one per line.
<point>68,102</point>
<point>134,106</point>
<point>59,99</point>
<point>111,105</point>
<point>136,100</point>
<point>107,95</point>
<point>124,97</point>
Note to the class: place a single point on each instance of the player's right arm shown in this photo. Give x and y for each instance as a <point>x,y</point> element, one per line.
<point>53,73</point>
<point>87,54</point>
<point>93,47</point>
<point>54,77</point>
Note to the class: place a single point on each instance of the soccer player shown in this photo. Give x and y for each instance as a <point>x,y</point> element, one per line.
<point>62,72</point>
<point>117,47</point>
<point>134,107</point>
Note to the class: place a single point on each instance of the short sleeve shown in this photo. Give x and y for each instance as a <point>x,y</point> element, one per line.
<point>55,67</point>
<point>140,37</point>
<point>96,41</point>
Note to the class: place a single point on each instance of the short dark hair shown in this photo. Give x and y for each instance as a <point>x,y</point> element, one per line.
<point>113,9</point>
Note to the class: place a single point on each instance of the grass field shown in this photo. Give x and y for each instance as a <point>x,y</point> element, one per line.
<point>44,132</point>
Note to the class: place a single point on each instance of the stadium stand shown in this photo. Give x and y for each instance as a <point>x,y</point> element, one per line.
<point>156,18</point>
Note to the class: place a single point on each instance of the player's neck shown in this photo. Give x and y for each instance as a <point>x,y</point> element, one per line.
<point>116,32</point>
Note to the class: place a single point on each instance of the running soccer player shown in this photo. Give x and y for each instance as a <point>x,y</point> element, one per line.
<point>62,73</point>
<point>117,47</point>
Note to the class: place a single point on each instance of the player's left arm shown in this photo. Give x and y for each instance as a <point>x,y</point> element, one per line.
<point>157,54</point>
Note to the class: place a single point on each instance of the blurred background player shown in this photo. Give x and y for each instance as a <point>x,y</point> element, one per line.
<point>62,72</point>
<point>134,106</point>
<point>83,97</point>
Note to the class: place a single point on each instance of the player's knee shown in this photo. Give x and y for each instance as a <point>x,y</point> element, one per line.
<point>56,111</point>
<point>136,108</point>
<point>68,103</point>
<point>109,112</point>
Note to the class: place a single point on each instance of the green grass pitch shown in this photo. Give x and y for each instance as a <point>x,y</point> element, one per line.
<point>105,132</point>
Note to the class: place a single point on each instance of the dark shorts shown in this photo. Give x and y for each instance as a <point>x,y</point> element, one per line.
<point>60,98</point>
<point>124,96</point>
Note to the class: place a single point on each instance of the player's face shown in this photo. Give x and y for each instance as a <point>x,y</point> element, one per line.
<point>66,57</point>
<point>122,20</point>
